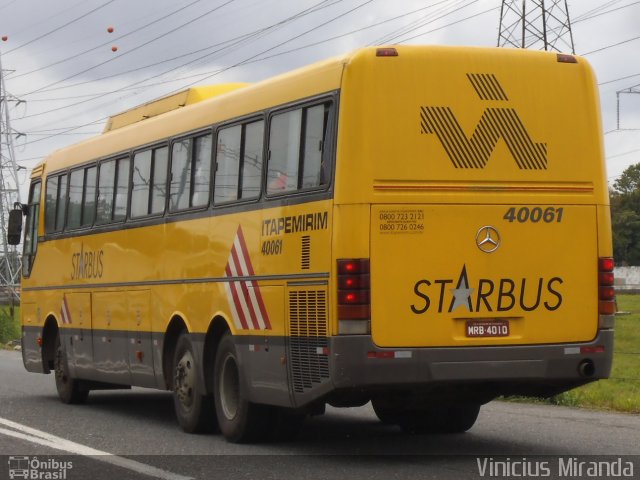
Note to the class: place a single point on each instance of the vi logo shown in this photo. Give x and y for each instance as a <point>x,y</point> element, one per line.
<point>496,123</point>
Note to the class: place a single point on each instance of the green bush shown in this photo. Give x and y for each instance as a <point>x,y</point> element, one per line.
<point>9,325</point>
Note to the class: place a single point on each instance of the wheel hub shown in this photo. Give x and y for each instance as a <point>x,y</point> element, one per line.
<point>185,377</point>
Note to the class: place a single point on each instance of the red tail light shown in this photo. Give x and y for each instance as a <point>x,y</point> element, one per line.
<point>606,292</point>
<point>354,300</point>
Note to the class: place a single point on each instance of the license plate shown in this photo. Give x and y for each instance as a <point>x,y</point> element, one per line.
<point>487,328</point>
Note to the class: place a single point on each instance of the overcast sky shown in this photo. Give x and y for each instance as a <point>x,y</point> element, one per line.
<point>59,56</point>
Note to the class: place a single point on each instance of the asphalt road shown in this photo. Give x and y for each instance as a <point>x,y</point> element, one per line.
<point>133,434</point>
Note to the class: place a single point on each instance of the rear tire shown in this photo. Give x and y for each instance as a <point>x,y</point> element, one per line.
<point>386,414</point>
<point>451,419</point>
<point>194,409</point>
<point>70,390</point>
<point>240,420</point>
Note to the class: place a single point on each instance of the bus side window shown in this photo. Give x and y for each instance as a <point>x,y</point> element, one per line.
<point>141,184</point>
<point>190,173</point>
<point>51,199</point>
<point>76,190</point>
<point>296,149</point>
<point>228,164</point>
<point>201,171</point>
<point>284,150</point>
<point>61,202</point>
<point>122,190</point>
<point>149,180</point>
<point>31,229</point>
<point>239,162</point>
<point>159,186</point>
<point>55,203</point>
<point>180,175</point>
<point>106,180</point>
<point>314,140</point>
<point>252,148</point>
<point>89,199</point>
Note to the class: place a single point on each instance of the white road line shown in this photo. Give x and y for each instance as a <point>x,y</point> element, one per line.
<point>46,439</point>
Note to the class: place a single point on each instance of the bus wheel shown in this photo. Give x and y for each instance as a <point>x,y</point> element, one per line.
<point>194,410</point>
<point>386,414</point>
<point>453,419</point>
<point>240,420</point>
<point>70,390</point>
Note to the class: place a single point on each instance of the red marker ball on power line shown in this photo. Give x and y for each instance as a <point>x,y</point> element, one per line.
<point>114,49</point>
<point>5,38</point>
<point>110,29</point>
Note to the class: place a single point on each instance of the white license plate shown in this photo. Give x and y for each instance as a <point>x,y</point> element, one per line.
<point>487,328</point>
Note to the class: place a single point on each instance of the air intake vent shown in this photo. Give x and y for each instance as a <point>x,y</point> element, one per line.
<point>306,252</point>
<point>308,342</point>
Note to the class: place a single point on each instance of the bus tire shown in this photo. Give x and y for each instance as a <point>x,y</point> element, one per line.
<point>194,409</point>
<point>451,419</point>
<point>70,390</point>
<point>240,420</point>
<point>387,415</point>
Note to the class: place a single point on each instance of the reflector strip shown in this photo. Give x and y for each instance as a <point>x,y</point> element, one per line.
<point>245,300</point>
<point>65,313</point>
<point>391,354</point>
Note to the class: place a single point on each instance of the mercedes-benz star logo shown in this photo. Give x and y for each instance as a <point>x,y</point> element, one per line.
<point>488,239</point>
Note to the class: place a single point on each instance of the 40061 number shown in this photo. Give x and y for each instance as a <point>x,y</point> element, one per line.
<point>534,215</point>
<point>272,247</point>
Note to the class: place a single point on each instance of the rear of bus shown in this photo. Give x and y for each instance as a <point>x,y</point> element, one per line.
<point>472,244</point>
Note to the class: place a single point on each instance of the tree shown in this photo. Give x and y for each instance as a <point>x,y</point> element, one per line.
<point>625,216</point>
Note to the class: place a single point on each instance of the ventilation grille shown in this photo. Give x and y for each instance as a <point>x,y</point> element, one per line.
<point>306,252</point>
<point>309,362</point>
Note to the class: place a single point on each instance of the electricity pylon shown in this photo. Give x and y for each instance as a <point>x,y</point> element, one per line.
<point>9,195</point>
<point>536,24</point>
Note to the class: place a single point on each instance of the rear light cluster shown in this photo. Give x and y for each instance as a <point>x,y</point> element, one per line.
<point>354,296</point>
<point>606,292</point>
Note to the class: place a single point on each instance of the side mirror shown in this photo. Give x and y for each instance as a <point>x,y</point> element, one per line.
<point>14,232</point>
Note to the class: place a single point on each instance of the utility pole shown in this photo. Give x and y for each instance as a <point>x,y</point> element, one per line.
<point>536,24</point>
<point>631,90</point>
<point>9,195</point>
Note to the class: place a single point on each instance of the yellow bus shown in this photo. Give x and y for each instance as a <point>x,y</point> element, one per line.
<point>424,228</point>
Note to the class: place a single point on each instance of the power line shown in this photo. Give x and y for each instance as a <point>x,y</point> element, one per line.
<point>582,18</point>
<point>243,62</point>
<point>75,56</point>
<point>610,46</point>
<point>133,49</point>
<point>253,59</point>
<point>315,8</point>
<point>233,41</point>
<point>60,27</point>
<point>450,24</point>
<point>618,79</point>
<point>300,14</point>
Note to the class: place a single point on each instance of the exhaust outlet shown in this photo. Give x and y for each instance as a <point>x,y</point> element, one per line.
<point>586,368</point>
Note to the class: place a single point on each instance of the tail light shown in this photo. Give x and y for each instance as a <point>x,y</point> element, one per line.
<point>354,296</point>
<point>606,292</point>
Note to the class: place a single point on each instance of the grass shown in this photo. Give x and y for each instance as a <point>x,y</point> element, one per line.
<point>621,392</point>
<point>9,325</point>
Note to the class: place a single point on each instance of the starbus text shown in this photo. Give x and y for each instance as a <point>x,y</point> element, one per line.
<point>485,294</point>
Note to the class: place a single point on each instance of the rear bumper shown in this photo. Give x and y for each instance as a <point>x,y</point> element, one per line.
<point>539,370</point>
